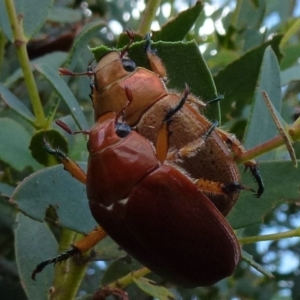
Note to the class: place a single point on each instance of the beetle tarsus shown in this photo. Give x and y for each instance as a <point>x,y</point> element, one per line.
<point>211,129</point>
<point>257,177</point>
<point>63,256</point>
<point>147,47</point>
<point>57,152</point>
<point>234,187</point>
<point>216,99</point>
<point>178,107</point>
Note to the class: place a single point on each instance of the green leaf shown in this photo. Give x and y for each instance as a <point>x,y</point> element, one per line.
<point>16,104</point>
<point>56,188</point>
<point>55,60</point>
<point>34,243</point>
<point>65,93</point>
<point>177,28</point>
<point>238,80</point>
<point>5,189</point>
<point>291,74</point>
<point>61,14</point>
<point>154,290</point>
<point>282,182</point>
<point>81,41</point>
<point>250,15</point>
<point>290,55</point>
<point>14,145</point>
<point>261,127</point>
<point>34,14</point>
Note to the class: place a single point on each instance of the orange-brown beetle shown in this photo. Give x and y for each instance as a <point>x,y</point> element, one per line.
<point>151,100</point>
<point>153,210</point>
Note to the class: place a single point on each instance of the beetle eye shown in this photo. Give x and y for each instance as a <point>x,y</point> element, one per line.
<point>128,65</point>
<point>122,130</point>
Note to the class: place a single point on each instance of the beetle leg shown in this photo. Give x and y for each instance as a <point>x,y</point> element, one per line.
<point>238,149</point>
<point>192,148</point>
<point>189,150</point>
<point>155,63</point>
<point>162,143</point>
<point>69,165</point>
<point>218,188</point>
<point>79,247</point>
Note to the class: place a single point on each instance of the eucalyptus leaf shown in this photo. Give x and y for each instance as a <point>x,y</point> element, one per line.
<point>33,14</point>
<point>16,104</point>
<point>34,243</point>
<point>177,28</point>
<point>56,188</point>
<point>65,93</point>
<point>14,145</point>
<point>261,127</point>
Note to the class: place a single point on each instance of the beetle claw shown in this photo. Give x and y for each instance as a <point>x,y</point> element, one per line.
<point>63,256</point>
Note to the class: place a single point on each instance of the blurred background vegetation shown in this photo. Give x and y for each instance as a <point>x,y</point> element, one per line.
<point>233,37</point>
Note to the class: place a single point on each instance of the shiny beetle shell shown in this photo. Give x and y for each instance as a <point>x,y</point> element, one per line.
<point>155,212</point>
<point>151,101</point>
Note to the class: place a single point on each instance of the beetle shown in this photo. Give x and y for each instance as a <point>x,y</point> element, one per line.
<point>151,101</point>
<point>152,208</point>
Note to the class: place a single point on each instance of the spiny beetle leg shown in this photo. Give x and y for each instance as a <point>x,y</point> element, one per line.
<point>218,188</point>
<point>257,177</point>
<point>69,165</point>
<point>216,99</point>
<point>213,126</point>
<point>172,111</point>
<point>162,144</point>
<point>238,149</point>
<point>189,150</point>
<point>81,246</point>
<point>192,148</point>
<point>155,63</point>
<point>61,257</point>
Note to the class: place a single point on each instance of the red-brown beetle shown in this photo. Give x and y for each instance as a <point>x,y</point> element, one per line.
<point>153,210</point>
<point>151,101</point>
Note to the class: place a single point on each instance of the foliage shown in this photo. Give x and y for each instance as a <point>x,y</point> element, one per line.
<point>46,206</point>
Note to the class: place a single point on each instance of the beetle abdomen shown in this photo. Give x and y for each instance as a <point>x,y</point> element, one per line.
<point>173,229</point>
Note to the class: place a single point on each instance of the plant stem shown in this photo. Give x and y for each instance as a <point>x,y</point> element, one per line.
<point>261,149</point>
<point>68,274</point>
<point>270,237</point>
<point>128,279</point>
<point>20,41</point>
<point>149,16</point>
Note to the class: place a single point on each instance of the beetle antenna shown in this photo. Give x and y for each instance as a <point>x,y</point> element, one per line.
<point>66,128</point>
<point>89,72</point>
<point>130,34</point>
<point>180,104</point>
